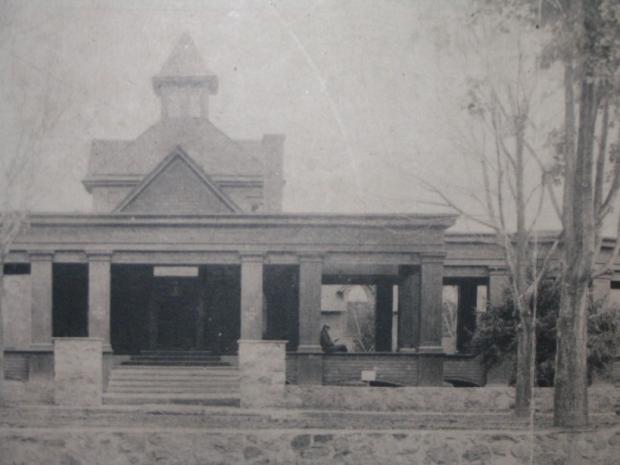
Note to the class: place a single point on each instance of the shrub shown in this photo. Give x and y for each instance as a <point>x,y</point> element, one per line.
<point>495,338</point>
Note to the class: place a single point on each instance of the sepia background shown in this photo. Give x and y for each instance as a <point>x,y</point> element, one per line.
<point>371,96</point>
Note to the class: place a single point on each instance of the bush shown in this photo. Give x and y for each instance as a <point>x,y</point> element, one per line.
<point>495,338</point>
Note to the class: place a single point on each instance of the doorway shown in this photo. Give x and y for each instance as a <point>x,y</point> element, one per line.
<point>175,308</point>
<point>175,313</point>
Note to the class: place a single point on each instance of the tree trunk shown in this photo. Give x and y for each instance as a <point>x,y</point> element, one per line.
<point>525,335</point>
<point>524,383</point>
<point>571,383</point>
<point>570,393</point>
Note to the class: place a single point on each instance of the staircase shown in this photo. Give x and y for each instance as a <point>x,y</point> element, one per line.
<point>174,377</point>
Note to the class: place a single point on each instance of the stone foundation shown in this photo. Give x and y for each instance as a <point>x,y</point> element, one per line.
<point>78,371</point>
<point>28,392</point>
<point>279,447</point>
<point>262,366</point>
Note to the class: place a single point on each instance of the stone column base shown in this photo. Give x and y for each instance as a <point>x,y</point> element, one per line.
<point>78,371</point>
<point>262,365</point>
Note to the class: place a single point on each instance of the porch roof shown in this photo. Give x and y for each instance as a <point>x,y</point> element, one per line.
<point>178,238</point>
<point>404,220</point>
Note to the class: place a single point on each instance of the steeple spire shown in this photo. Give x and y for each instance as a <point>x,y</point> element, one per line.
<point>184,82</point>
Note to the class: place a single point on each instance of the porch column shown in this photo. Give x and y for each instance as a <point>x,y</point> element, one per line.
<point>383,318</point>
<point>41,306</point>
<point>99,274</point>
<point>252,297</point>
<point>430,363</point>
<point>431,279</point>
<point>310,276</point>
<point>498,283</point>
<point>408,309</point>
<point>310,358</point>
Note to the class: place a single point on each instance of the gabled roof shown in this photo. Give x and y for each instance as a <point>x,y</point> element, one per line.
<point>211,149</point>
<point>184,61</point>
<point>178,154</point>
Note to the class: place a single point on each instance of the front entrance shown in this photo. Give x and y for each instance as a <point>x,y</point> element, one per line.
<point>175,314</point>
<point>152,310</point>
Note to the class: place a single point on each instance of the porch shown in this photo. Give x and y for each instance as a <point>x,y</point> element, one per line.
<point>203,283</point>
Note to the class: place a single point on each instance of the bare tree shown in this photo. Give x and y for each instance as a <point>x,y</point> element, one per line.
<point>584,38</point>
<point>513,184</point>
<point>34,112</point>
<point>590,38</point>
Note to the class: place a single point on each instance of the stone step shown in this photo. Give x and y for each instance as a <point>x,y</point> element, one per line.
<point>175,368</point>
<point>167,381</point>
<point>174,389</point>
<point>165,358</point>
<point>188,399</point>
<point>153,381</point>
<point>172,383</point>
<point>164,363</point>
<point>174,374</point>
<point>175,379</point>
<point>178,352</point>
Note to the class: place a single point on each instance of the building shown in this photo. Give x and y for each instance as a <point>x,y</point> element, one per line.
<point>188,249</point>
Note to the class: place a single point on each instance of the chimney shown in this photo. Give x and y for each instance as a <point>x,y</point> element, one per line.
<point>273,174</point>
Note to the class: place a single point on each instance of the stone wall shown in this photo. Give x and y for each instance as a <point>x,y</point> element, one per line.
<point>29,376</point>
<point>263,446</point>
<point>78,371</point>
<point>28,392</point>
<point>433,399</point>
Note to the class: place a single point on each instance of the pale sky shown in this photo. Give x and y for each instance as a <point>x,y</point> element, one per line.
<point>364,90</point>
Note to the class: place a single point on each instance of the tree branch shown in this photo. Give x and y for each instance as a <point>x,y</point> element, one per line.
<point>554,200</point>
<point>449,203</point>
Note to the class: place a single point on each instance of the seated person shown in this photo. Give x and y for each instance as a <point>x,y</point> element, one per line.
<point>328,345</point>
